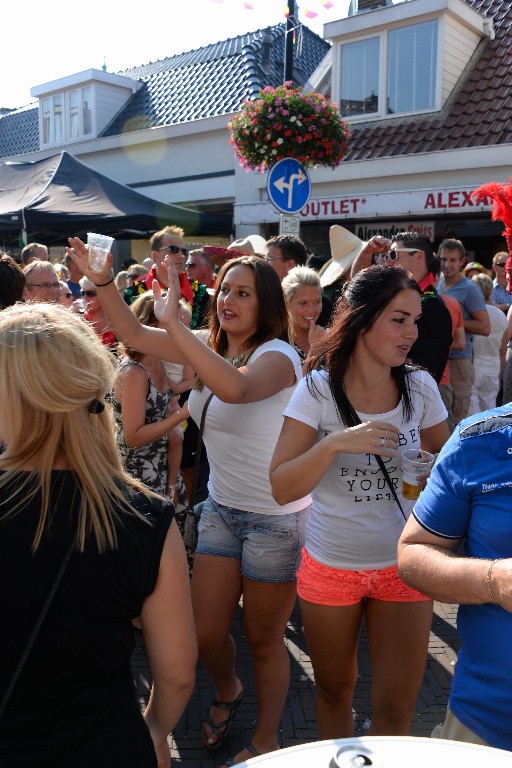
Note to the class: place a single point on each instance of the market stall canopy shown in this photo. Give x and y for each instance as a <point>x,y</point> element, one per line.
<point>60,196</point>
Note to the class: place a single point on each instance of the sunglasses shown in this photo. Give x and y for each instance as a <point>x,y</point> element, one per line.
<point>43,285</point>
<point>500,263</point>
<point>393,254</point>
<point>175,249</point>
<point>89,294</point>
<point>68,295</point>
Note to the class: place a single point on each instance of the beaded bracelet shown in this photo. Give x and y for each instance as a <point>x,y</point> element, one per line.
<point>489,582</point>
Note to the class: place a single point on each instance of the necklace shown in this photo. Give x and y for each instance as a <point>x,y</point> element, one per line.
<point>233,360</point>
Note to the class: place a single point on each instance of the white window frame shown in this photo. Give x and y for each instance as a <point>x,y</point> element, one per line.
<point>49,139</point>
<point>383,36</point>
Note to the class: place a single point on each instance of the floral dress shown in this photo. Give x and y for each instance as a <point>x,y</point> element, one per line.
<point>149,463</point>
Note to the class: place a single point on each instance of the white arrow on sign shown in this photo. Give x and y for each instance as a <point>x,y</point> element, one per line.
<point>281,184</point>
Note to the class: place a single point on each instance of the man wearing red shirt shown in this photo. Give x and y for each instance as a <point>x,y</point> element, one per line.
<point>169,242</point>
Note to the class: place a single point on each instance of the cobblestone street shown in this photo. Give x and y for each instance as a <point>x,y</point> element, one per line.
<point>298,721</point>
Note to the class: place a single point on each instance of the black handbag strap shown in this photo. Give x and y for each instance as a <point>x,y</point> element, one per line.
<point>37,625</point>
<point>198,451</point>
<point>354,418</point>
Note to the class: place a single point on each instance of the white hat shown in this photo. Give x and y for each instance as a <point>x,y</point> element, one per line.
<point>251,244</point>
<point>344,248</point>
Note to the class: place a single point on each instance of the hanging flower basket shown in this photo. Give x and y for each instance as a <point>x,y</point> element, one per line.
<point>284,122</point>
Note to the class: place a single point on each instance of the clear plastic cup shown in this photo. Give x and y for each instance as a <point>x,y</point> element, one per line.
<point>97,247</point>
<point>415,462</point>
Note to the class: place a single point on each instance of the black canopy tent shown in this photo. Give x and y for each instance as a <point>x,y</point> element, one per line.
<point>51,199</point>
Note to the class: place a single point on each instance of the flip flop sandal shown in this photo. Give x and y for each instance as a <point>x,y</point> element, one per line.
<point>250,748</point>
<point>221,730</point>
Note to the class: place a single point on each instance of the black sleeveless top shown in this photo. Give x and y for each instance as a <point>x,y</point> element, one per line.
<point>74,704</point>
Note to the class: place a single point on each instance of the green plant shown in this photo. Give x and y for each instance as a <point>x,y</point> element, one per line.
<point>285,122</point>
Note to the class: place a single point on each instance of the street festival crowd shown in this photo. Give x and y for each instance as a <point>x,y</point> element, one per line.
<point>289,392</point>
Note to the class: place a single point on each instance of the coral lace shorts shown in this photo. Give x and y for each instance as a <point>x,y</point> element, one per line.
<point>323,585</point>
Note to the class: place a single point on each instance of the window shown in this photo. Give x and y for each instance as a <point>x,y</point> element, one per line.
<point>86,110</point>
<point>47,119</point>
<point>391,73</point>
<point>412,56</point>
<point>67,116</point>
<point>74,115</point>
<point>58,118</point>
<point>360,77</point>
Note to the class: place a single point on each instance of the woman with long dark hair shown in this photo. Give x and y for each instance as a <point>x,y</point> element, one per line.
<point>359,403</point>
<point>248,544</point>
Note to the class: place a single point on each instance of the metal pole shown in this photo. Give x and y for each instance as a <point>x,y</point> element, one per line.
<point>288,41</point>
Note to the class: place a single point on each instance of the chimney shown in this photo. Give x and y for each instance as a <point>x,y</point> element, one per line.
<point>266,46</point>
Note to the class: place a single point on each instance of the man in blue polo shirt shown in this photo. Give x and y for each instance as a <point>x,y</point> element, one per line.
<point>500,296</point>
<point>468,498</point>
<point>476,321</point>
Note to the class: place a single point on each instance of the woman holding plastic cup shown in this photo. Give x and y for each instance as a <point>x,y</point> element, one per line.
<point>345,428</point>
<point>248,544</point>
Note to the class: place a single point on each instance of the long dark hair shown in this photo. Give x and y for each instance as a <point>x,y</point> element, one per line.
<point>363,299</point>
<point>272,321</point>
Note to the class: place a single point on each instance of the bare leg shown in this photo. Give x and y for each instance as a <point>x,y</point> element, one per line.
<point>398,635</point>
<point>216,589</point>
<point>332,635</point>
<point>267,609</point>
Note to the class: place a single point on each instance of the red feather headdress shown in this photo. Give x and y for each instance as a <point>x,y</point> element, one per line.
<point>501,196</point>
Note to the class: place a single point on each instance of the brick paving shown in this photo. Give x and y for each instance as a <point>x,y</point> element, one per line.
<point>298,720</point>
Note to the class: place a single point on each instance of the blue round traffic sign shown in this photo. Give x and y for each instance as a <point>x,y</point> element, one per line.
<point>288,185</point>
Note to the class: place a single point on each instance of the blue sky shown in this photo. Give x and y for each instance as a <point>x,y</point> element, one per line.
<point>46,41</point>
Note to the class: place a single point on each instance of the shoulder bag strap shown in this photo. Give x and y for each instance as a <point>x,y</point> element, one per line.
<point>198,450</point>
<point>356,420</point>
<point>37,625</point>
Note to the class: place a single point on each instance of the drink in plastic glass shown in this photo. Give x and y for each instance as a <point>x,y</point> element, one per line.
<point>415,462</point>
<point>97,247</point>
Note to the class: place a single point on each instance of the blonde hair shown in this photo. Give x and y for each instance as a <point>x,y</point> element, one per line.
<point>86,284</point>
<point>300,276</point>
<point>121,280</point>
<point>144,310</point>
<point>53,368</point>
<point>185,312</point>
<point>136,270</point>
<point>485,284</point>
<point>156,240</point>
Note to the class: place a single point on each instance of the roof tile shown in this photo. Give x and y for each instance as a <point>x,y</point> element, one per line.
<point>216,79</point>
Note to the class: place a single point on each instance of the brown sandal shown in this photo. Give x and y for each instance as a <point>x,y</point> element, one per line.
<point>221,730</point>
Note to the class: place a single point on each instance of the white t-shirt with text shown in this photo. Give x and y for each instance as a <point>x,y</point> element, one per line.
<point>355,523</point>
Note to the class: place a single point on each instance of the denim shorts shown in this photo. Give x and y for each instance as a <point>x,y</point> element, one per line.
<point>268,546</point>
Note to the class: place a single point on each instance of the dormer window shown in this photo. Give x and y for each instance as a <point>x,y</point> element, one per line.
<point>402,59</point>
<point>67,116</point>
<point>78,107</point>
<point>390,73</point>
